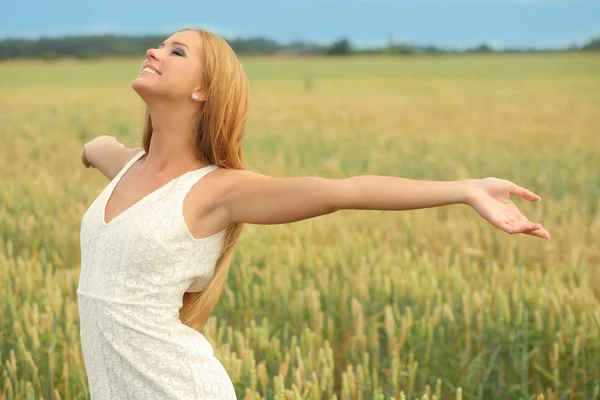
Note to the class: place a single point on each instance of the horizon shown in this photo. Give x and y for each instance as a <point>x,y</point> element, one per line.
<point>324,43</point>
<point>456,24</point>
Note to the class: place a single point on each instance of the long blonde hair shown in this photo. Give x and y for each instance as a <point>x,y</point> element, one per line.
<point>218,141</point>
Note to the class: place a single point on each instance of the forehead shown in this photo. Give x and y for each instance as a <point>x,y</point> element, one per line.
<point>189,38</point>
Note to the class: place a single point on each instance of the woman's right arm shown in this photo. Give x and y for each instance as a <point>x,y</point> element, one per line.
<point>107,154</point>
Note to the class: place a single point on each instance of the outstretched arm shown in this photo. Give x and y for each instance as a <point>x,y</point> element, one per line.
<point>259,199</point>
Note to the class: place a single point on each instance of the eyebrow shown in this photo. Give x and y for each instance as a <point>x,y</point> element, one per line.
<point>183,44</point>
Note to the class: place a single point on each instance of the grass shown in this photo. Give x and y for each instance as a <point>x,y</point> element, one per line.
<point>431,303</point>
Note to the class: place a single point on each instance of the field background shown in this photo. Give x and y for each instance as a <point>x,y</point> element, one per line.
<point>356,304</point>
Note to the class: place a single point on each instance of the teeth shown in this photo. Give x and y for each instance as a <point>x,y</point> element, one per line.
<point>147,69</point>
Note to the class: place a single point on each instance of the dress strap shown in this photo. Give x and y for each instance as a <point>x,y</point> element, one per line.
<point>190,179</point>
<point>204,249</point>
<point>128,165</point>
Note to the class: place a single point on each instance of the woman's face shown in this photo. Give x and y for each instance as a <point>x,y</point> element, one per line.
<point>177,65</point>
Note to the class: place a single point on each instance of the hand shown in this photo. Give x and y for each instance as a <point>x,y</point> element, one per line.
<point>490,197</point>
<point>84,159</point>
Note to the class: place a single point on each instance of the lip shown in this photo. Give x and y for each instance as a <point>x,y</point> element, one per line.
<point>152,67</point>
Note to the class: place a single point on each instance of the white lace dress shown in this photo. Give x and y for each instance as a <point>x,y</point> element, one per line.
<point>134,271</point>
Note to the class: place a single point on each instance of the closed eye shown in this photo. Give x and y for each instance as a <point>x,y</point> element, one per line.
<point>179,52</point>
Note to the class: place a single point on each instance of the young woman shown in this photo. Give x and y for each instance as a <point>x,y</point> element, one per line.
<point>157,242</point>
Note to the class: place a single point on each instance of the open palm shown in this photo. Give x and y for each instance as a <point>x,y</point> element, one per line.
<point>490,198</point>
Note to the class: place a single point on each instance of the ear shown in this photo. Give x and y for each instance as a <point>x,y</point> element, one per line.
<point>201,94</point>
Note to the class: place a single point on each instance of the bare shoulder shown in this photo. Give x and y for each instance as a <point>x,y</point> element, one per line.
<point>218,184</point>
<point>108,155</point>
<point>230,178</point>
<point>203,205</point>
<point>130,153</point>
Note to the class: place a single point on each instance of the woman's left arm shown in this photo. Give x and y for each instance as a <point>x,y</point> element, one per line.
<point>254,198</point>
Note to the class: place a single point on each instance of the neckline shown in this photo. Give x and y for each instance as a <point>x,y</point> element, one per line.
<point>116,181</point>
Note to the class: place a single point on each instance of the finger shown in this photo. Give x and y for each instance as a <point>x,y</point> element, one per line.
<point>529,228</point>
<point>520,227</point>
<point>510,227</point>
<point>523,219</point>
<point>532,227</point>
<point>526,223</point>
<point>544,234</point>
<point>524,193</point>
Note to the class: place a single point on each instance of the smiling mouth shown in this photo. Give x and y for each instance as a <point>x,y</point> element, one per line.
<point>148,70</point>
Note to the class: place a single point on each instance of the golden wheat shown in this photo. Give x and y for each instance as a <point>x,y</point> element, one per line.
<point>425,304</point>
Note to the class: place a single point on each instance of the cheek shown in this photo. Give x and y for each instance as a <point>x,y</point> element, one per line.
<point>181,81</point>
<point>170,85</point>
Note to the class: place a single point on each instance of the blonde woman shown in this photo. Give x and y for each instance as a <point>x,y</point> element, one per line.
<point>157,242</point>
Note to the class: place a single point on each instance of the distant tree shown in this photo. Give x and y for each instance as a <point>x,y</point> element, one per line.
<point>257,45</point>
<point>49,56</point>
<point>402,49</point>
<point>341,47</point>
<point>482,48</point>
<point>592,45</point>
<point>432,50</point>
<point>94,46</point>
<point>86,55</point>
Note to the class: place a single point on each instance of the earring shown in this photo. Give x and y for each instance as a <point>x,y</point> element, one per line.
<point>194,96</point>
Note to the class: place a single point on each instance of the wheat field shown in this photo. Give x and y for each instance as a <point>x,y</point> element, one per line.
<point>423,304</point>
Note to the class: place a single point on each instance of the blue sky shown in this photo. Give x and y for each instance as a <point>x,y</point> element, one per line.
<point>454,23</point>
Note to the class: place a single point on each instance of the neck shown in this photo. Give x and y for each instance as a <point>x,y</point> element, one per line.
<point>171,151</point>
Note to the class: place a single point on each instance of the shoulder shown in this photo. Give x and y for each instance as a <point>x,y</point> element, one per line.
<point>108,155</point>
<point>130,153</point>
<point>227,180</point>
<point>209,198</point>
<point>222,185</point>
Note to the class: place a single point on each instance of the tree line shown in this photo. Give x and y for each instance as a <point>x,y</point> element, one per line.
<point>97,46</point>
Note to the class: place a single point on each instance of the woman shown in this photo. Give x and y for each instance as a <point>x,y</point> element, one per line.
<point>156,244</point>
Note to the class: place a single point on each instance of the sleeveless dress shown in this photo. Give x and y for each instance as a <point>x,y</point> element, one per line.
<point>134,272</point>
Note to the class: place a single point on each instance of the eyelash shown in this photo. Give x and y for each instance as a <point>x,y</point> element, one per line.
<point>180,53</point>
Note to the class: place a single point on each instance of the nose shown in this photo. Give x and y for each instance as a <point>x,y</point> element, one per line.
<point>152,53</point>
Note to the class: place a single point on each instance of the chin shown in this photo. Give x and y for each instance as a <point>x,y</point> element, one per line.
<point>142,87</point>
<point>139,82</point>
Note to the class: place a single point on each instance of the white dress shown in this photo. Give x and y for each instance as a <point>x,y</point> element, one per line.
<point>134,271</point>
